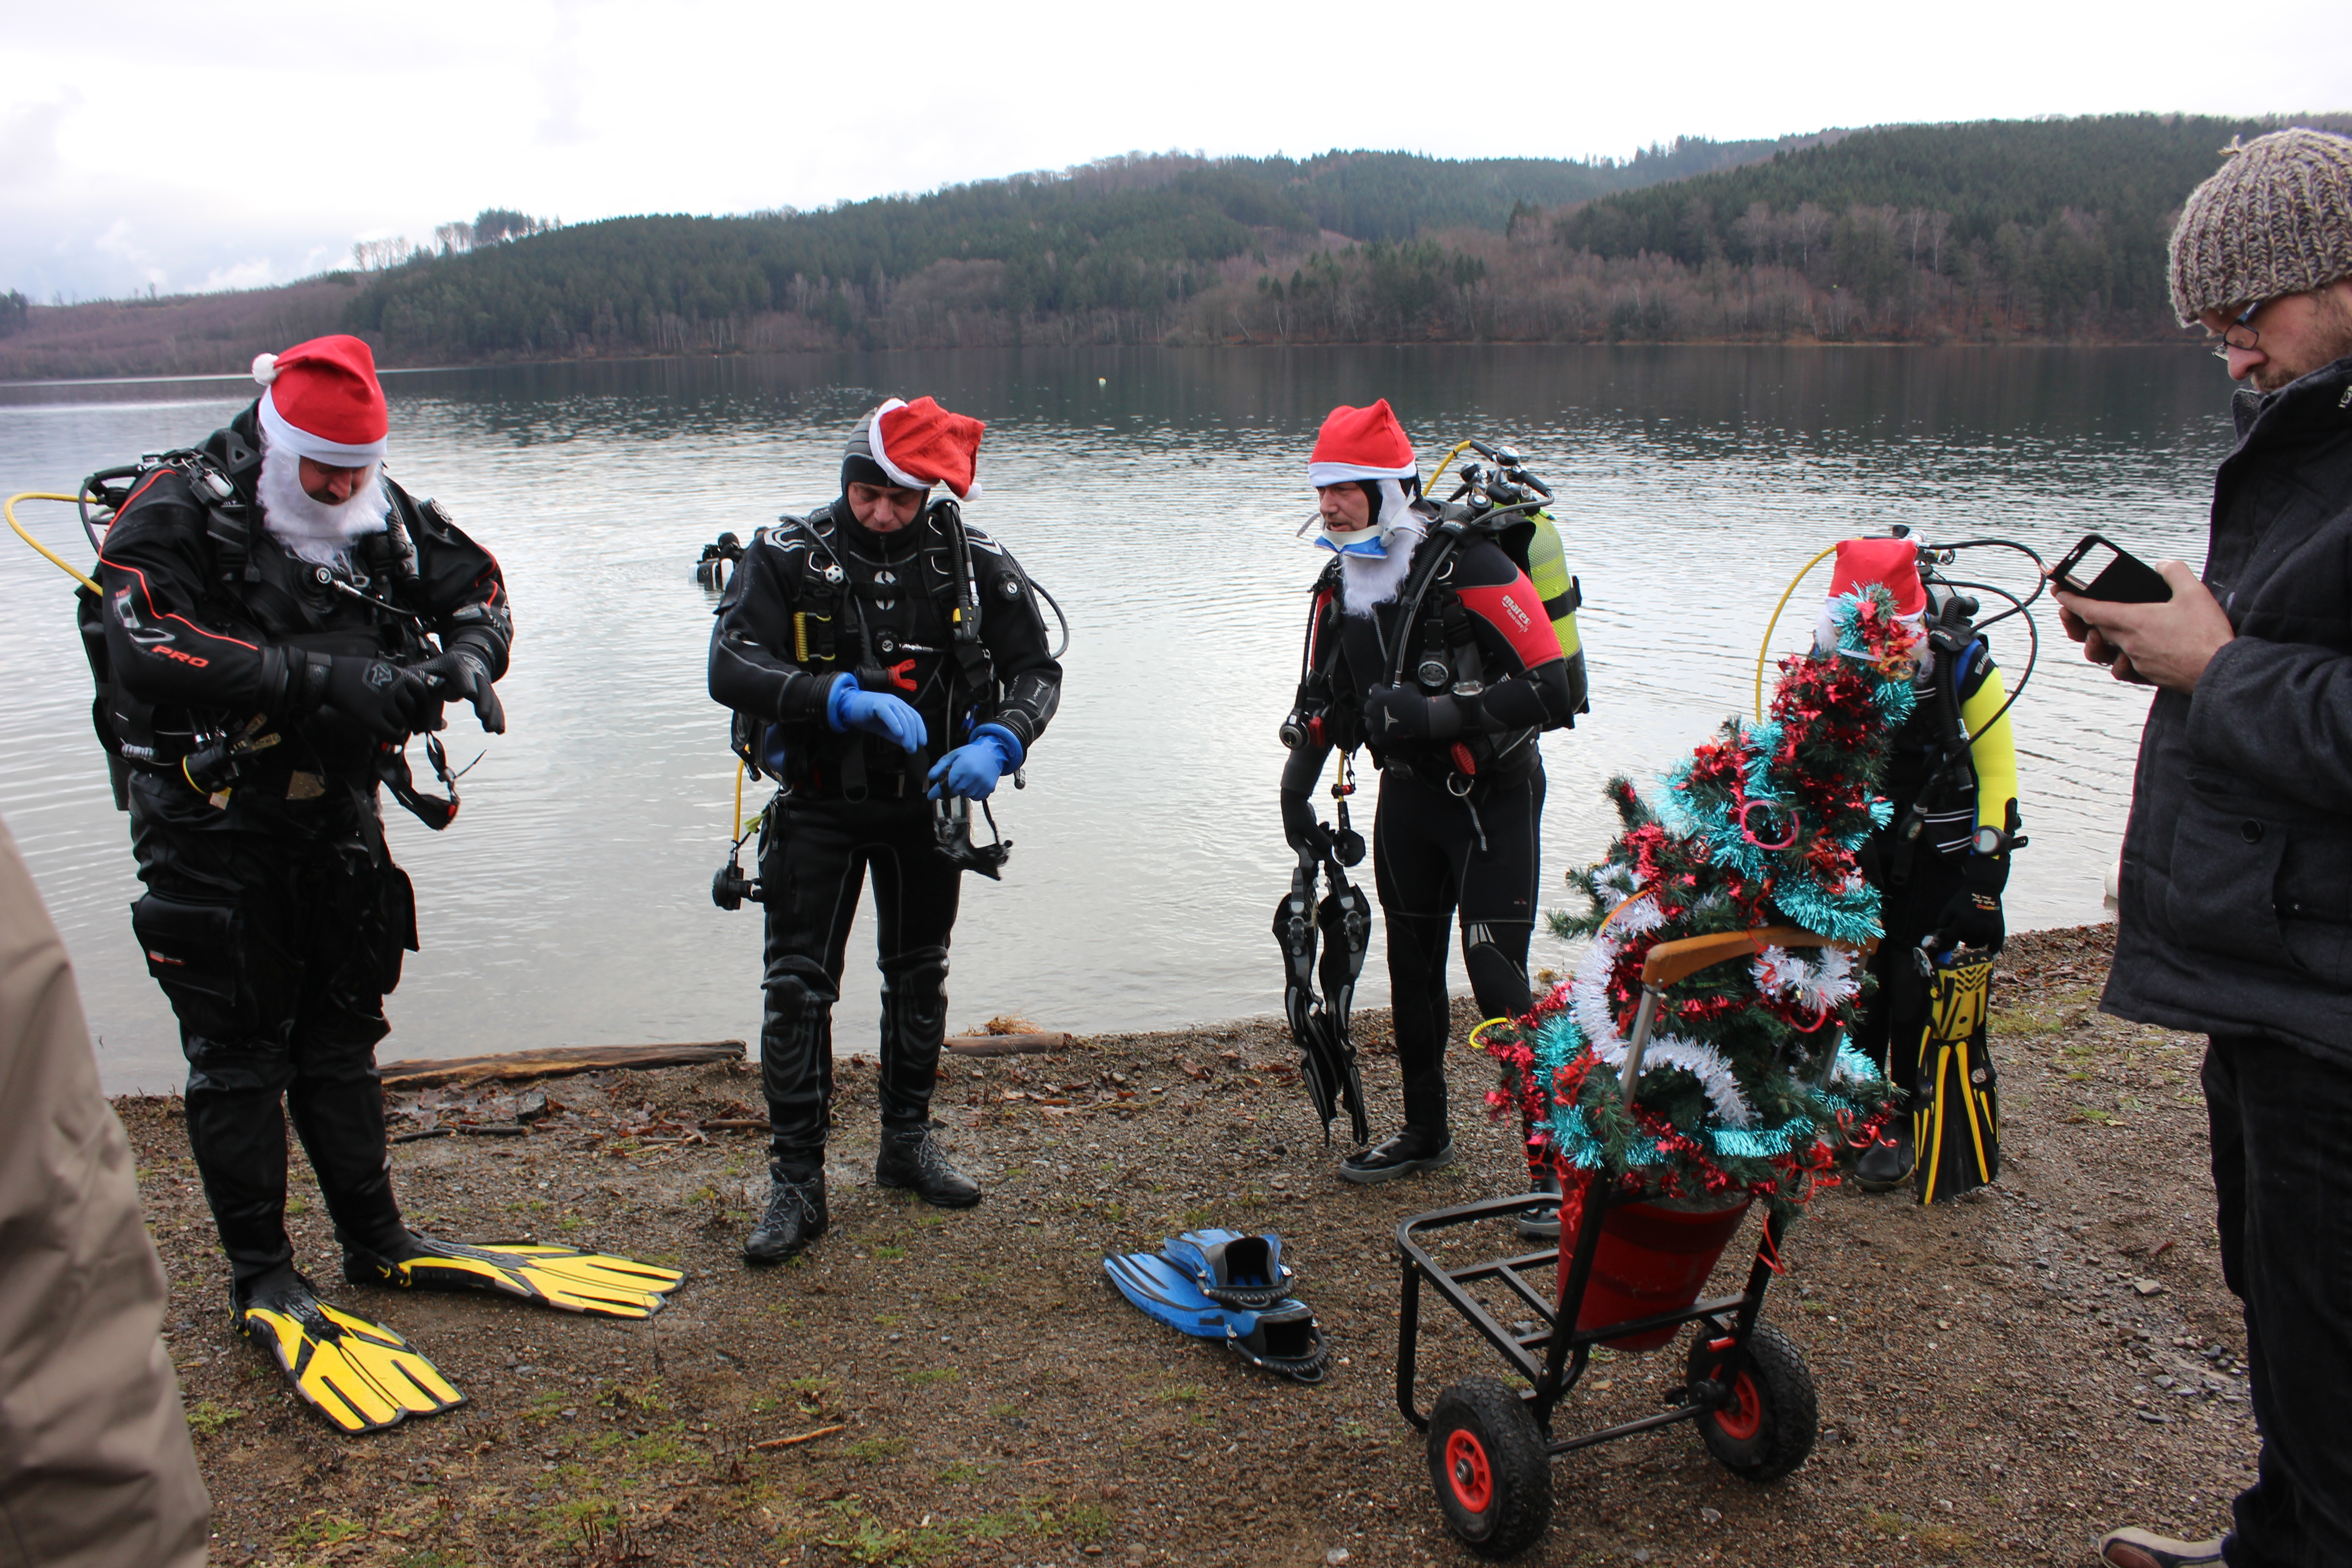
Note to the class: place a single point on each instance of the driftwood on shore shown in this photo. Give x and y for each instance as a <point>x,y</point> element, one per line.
<point>559,1061</point>
<point>1007,1045</point>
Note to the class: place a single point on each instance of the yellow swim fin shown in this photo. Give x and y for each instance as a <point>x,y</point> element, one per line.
<point>360,1375</point>
<point>562,1277</point>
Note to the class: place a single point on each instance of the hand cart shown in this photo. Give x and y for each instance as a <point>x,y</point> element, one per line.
<point>1489,1445</point>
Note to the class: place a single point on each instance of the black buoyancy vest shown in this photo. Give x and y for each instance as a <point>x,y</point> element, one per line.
<point>889,622</point>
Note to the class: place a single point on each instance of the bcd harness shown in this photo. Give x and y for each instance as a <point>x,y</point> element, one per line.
<point>1943,812</point>
<point>1437,636</point>
<point>293,603</point>
<point>831,633</point>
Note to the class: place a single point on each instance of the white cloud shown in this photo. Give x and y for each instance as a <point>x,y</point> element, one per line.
<point>593,108</point>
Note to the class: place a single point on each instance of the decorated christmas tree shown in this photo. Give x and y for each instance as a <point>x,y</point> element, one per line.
<point>1759,826</point>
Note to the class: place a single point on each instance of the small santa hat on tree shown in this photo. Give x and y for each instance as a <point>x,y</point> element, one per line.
<point>921,444</point>
<point>322,401</point>
<point>1361,444</point>
<point>1890,563</point>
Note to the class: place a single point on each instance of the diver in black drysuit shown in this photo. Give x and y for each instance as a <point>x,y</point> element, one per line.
<point>1462,789</point>
<point>835,641</point>
<point>274,916</point>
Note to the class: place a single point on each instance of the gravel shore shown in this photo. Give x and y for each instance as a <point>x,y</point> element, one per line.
<point>2000,1378</point>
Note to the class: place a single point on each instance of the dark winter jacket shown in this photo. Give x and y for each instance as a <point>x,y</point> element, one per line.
<point>2237,876</point>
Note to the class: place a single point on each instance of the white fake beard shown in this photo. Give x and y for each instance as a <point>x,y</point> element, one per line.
<point>312,530</point>
<point>1366,585</point>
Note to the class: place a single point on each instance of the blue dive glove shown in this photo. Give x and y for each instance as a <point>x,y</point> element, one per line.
<point>876,713</point>
<point>972,771</point>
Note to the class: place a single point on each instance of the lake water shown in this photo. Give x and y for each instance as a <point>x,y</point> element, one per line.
<point>1156,493</point>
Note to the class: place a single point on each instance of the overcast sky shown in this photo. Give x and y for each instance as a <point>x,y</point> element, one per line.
<point>252,141</point>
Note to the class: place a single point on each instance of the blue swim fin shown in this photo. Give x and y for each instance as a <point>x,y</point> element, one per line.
<point>1239,1270</point>
<point>1165,1294</point>
<point>1281,1338</point>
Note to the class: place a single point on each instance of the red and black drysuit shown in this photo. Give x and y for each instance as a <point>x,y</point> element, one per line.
<point>274,916</point>
<point>812,600</point>
<point>1462,782</point>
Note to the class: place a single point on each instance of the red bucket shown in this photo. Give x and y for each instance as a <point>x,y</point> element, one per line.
<point>1650,1260</point>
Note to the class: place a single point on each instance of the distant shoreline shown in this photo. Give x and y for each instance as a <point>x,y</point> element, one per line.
<point>97,377</point>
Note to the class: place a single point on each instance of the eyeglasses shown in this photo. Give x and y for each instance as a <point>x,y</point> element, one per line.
<point>2240,333</point>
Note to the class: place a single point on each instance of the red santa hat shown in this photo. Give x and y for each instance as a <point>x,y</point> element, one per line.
<point>1361,444</point>
<point>921,444</point>
<point>324,402</point>
<point>1892,563</point>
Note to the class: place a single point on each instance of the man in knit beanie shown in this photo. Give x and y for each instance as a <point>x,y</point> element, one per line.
<point>2235,902</point>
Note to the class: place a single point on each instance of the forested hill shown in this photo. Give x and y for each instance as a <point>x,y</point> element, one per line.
<point>1126,234</point>
<point>2079,209</point>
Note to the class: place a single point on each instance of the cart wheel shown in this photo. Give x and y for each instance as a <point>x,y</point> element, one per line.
<point>1769,1426</point>
<point>1486,1462</point>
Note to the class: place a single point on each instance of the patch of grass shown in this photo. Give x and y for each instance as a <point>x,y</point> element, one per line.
<point>645,1396</point>
<point>297,1203</point>
<point>207,1418</point>
<point>887,1319</point>
<point>325,1530</point>
<point>1087,1522</point>
<point>890,1253</point>
<point>1196,1218</point>
<point>1884,1523</point>
<point>873,1450</point>
<point>545,1405</point>
<point>428,1558</point>
<point>572,1521</point>
<point>959,1473</point>
<point>1944,1540</point>
<point>665,1447</point>
<point>1182,1394</point>
<point>570,1222</point>
<point>924,1376</point>
<point>1006,1412</point>
<point>703,1195</point>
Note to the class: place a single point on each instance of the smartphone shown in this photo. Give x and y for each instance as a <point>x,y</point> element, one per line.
<point>2097,569</point>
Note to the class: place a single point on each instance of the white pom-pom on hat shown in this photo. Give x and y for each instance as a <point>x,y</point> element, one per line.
<point>265,368</point>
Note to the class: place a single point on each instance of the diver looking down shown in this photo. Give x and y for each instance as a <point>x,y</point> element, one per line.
<point>266,644</point>
<point>887,664</point>
<point>1429,644</point>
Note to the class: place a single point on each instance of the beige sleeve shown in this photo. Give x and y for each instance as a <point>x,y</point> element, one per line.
<point>95,1468</point>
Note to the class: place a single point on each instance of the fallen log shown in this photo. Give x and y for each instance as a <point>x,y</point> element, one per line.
<point>1008,1044</point>
<point>557,1061</point>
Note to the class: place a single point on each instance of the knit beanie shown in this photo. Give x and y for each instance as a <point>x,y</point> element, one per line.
<point>2276,219</point>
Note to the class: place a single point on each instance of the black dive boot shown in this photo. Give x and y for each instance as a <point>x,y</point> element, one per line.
<point>795,1216</point>
<point>1540,1222</point>
<point>911,1158</point>
<point>1413,1149</point>
<point>1886,1164</point>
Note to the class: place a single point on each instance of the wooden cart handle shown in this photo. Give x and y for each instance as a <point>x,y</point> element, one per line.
<point>1672,961</point>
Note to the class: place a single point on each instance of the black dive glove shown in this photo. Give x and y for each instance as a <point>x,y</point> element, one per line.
<point>1299,827</point>
<point>388,701</point>
<point>1973,917</point>
<point>1402,712</point>
<point>462,673</point>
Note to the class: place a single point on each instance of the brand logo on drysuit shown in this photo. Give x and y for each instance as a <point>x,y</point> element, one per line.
<point>151,639</point>
<point>381,675</point>
<point>1516,614</point>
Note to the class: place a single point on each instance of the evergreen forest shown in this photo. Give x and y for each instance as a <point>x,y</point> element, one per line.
<point>2049,230</point>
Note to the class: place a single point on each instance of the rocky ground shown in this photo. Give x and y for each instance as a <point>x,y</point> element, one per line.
<point>2000,1378</point>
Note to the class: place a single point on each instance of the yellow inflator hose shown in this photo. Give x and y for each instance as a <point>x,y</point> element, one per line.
<point>1764,650</point>
<point>8,509</point>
